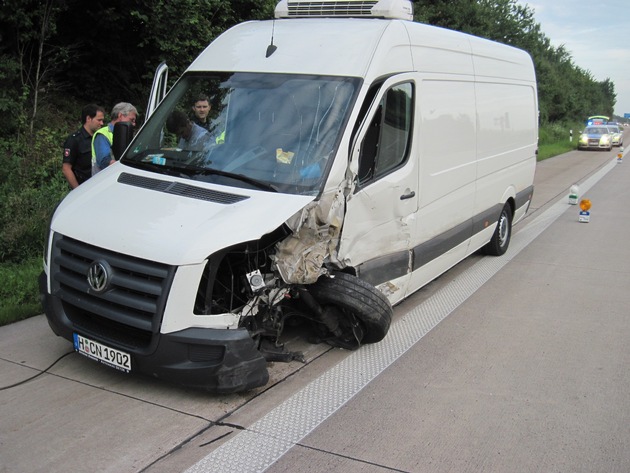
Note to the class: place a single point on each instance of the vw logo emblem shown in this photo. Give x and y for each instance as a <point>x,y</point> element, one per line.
<point>98,276</point>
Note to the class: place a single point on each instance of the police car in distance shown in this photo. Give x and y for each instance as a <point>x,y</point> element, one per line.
<point>616,133</point>
<point>595,137</point>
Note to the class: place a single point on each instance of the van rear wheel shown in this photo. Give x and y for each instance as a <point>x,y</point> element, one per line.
<point>500,240</point>
<point>353,301</point>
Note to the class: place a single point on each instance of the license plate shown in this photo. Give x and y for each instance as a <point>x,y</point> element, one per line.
<point>103,354</point>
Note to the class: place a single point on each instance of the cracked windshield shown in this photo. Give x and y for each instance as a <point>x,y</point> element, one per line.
<point>267,131</point>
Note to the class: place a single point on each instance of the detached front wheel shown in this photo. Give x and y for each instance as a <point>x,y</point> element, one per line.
<point>500,240</point>
<point>363,312</point>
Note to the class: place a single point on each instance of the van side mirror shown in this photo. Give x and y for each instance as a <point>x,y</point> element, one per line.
<point>123,133</point>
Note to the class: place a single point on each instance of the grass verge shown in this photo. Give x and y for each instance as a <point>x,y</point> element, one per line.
<point>555,139</point>
<point>19,294</point>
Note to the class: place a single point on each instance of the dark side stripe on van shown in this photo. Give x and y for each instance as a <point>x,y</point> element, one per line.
<point>385,268</point>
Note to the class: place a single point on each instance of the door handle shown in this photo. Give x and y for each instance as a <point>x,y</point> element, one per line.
<point>408,195</point>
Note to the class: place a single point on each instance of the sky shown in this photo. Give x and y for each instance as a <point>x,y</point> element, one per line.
<point>595,33</point>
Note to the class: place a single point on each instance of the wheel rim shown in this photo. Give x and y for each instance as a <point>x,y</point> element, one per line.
<point>504,229</point>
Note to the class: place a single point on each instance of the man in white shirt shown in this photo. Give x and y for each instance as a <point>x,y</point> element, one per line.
<point>191,136</point>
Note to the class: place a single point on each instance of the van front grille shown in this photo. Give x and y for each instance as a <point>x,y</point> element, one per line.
<point>128,311</point>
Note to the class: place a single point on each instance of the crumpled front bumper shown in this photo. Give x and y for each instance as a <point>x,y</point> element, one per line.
<point>216,360</point>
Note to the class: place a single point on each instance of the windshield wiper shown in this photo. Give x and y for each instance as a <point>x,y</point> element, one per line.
<point>198,170</point>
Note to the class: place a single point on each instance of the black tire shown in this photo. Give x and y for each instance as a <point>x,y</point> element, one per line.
<point>500,240</point>
<point>354,296</point>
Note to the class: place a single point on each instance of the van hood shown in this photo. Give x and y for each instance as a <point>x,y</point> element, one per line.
<point>166,219</point>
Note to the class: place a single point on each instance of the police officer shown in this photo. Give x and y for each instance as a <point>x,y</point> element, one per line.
<point>77,149</point>
<point>201,116</point>
<point>201,111</point>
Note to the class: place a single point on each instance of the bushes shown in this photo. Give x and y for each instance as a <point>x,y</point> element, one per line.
<point>31,185</point>
<point>25,216</point>
<point>555,138</point>
<point>19,295</point>
<point>558,132</point>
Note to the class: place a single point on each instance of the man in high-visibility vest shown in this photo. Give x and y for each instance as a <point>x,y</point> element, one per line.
<point>103,138</point>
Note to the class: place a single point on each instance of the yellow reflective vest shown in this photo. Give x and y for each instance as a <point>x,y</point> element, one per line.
<point>108,134</point>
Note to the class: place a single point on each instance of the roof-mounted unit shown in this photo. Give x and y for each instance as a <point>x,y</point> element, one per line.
<point>393,9</point>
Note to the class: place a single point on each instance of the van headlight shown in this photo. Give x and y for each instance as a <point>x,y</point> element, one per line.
<point>48,238</point>
<point>47,241</point>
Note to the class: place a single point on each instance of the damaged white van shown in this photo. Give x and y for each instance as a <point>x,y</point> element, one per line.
<point>351,157</point>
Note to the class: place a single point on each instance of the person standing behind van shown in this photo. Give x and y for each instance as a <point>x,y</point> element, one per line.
<point>102,141</point>
<point>77,149</point>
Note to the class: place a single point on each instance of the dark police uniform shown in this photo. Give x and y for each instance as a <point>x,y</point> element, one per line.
<point>205,126</point>
<point>77,150</point>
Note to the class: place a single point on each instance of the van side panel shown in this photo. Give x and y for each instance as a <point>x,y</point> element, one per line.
<point>439,50</point>
<point>447,143</point>
<point>507,116</point>
<point>478,140</point>
<point>447,164</point>
<point>496,61</point>
<point>506,148</point>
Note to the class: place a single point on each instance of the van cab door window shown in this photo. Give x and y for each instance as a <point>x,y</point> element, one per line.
<point>386,142</point>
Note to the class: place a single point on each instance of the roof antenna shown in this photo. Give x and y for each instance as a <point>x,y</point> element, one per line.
<point>272,47</point>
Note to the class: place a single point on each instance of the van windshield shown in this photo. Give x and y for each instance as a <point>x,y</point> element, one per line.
<point>269,131</point>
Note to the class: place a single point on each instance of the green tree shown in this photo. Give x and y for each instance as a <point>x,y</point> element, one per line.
<point>122,41</point>
<point>499,20</point>
<point>30,60</point>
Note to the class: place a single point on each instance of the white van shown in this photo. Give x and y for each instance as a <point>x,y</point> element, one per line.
<point>348,162</point>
